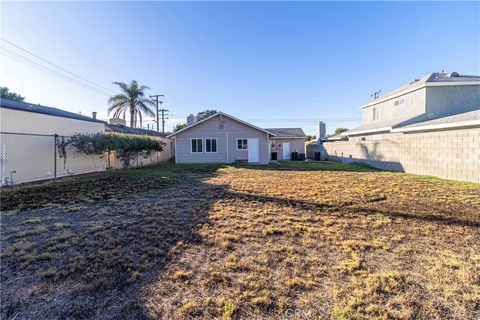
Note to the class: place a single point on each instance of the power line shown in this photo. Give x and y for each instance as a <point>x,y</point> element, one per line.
<point>91,83</point>
<point>19,58</point>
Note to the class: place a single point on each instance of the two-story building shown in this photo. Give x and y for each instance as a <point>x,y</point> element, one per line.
<point>430,125</point>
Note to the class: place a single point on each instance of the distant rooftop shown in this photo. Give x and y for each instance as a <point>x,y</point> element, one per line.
<point>37,108</point>
<point>124,129</point>
<point>287,132</point>
<point>431,79</point>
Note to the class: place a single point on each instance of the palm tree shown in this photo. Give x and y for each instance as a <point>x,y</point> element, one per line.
<point>131,98</point>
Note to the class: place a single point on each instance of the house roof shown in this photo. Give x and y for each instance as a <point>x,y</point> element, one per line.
<point>384,126</point>
<point>428,80</point>
<point>465,119</point>
<point>419,123</point>
<point>219,114</point>
<point>36,108</point>
<point>124,129</point>
<point>287,132</point>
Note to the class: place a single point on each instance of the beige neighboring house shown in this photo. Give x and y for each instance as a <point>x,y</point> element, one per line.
<point>429,126</point>
<point>27,142</point>
<point>118,126</point>
<point>222,138</point>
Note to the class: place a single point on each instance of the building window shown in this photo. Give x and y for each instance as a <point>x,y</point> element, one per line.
<point>375,114</point>
<point>196,145</point>
<point>399,102</point>
<point>242,144</point>
<point>211,145</point>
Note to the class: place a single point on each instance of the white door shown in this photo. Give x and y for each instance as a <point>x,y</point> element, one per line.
<point>253,150</point>
<point>286,150</point>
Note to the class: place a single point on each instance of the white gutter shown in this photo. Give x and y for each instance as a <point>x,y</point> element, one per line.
<point>458,124</point>
<point>348,133</point>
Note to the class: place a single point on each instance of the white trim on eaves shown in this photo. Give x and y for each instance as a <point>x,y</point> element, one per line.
<point>219,114</point>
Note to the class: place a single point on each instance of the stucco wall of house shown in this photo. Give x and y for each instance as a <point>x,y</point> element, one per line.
<point>296,144</point>
<point>413,104</point>
<point>226,142</point>
<point>448,154</point>
<point>32,157</point>
<point>446,100</point>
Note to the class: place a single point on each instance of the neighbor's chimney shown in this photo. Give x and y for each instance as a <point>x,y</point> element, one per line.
<point>321,131</point>
<point>191,119</point>
<point>94,114</point>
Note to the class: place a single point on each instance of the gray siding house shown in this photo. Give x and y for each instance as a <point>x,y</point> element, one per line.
<point>222,138</point>
<point>429,126</point>
<point>432,96</point>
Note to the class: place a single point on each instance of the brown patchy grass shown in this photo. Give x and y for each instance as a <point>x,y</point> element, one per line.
<point>244,243</point>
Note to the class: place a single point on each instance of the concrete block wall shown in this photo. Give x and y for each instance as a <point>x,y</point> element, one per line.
<point>448,154</point>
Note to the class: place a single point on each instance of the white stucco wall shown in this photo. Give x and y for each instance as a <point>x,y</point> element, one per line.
<point>413,104</point>
<point>28,154</point>
<point>446,100</point>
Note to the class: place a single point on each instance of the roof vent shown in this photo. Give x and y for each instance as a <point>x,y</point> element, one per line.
<point>414,80</point>
<point>453,74</point>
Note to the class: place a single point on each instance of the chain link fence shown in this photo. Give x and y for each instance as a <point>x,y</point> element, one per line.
<point>26,157</point>
<point>29,157</point>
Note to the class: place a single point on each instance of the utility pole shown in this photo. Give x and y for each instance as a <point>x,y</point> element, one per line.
<point>163,118</point>
<point>156,96</point>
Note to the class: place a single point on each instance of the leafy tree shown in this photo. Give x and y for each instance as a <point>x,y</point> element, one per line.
<point>179,126</point>
<point>127,147</point>
<point>7,94</point>
<point>309,137</point>
<point>132,99</point>
<point>340,130</point>
<point>205,114</point>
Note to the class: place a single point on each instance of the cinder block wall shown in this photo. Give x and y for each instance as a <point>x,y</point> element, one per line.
<point>451,154</point>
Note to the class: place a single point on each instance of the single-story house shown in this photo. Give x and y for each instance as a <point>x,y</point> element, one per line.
<point>222,138</point>
<point>32,142</point>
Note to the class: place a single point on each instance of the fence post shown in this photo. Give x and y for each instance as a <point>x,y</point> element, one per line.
<point>55,156</point>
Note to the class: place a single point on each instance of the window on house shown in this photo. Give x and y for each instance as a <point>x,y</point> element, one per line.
<point>211,145</point>
<point>242,144</point>
<point>196,145</point>
<point>399,102</point>
<point>375,114</point>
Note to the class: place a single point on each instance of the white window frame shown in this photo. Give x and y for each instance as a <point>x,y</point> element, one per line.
<point>375,113</point>
<point>195,152</point>
<point>242,144</point>
<point>216,145</point>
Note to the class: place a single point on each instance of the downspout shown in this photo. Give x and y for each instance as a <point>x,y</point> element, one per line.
<point>228,150</point>
<point>175,151</point>
<point>268,148</point>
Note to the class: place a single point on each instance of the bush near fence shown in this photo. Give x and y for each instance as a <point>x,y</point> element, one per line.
<point>26,157</point>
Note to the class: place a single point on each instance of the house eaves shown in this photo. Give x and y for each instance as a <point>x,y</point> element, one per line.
<point>39,109</point>
<point>224,115</point>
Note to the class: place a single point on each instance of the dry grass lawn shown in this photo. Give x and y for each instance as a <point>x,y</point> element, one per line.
<point>204,242</point>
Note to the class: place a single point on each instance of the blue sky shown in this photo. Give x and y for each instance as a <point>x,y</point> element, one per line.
<point>275,64</point>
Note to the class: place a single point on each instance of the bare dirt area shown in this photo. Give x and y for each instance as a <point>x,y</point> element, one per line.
<point>264,242</point>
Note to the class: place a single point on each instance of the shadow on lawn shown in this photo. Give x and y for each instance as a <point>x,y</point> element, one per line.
<point>88,261</point>
<point>356,207</point>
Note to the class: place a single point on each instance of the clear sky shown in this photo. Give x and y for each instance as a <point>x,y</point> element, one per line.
<point>275,64</point>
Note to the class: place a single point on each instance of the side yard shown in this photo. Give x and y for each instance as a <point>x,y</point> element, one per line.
<point>289,241</point>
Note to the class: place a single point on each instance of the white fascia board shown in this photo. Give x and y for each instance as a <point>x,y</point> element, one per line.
<point>220,114</point>
<point>427,127</point>
<point>356,133</point>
